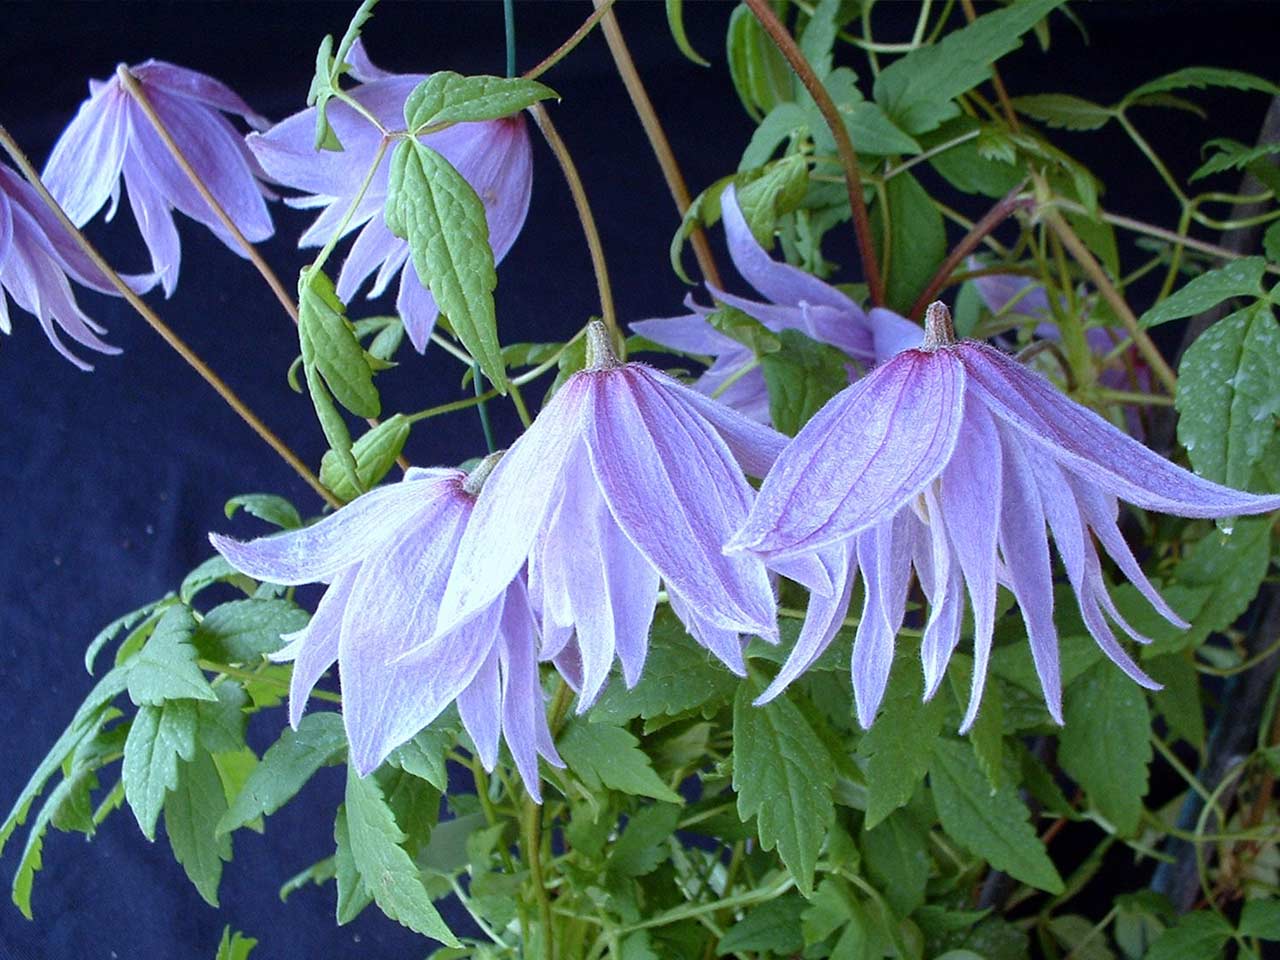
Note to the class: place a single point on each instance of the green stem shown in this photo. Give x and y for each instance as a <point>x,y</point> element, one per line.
<point>327,249</point>
<point>533,856</point>
<point>241,674</point>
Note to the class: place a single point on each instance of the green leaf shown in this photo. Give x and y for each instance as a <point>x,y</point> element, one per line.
<point>385,868</point>
<point>330,347</point>
<point>244,631</point>
<point>1196,936</point>
<point>144,617</point>
<point>289,763</point>
<point>643,846</point>
<point>874,133</point>
<point>432,206</point>
<point>158,739</point>
<point>1240,278</point>
<point>819,35</point>
<point>353,896</point>
<point>319,873</point>
<point>1063,111</point>
<point>424,755</point>
<point>165,669</point>
<point>778,189</point>
<point>603,755</point>
<point>1201,78</point>
<point>759,72</point>
<point>1228,568</point>
<point>1261,919</point>
<point>235,946</point>
<point>1229,395</point>
<point>1179,702</point>
<point>1233,155</point>
<point>785,120</point>
<point>675,20</point>
<point>966,168</point>
<point>1105,745</point>
<point>447,97</point>
<point>265,506</point>
<point>221,723</point>
<point>898,747</point>
<point>917,90</point>
<point>772,926</point>
<point>214,570</point>
<point>785,778</point>
<point>801,378</point>
<point>191,812</point>
<point>917,240</point>
<point>992,824</point>
<point>678,676</point>
<point>897,858</point>
<point>375,454</point>
<point>1271,242</point>
<point>336,433</point>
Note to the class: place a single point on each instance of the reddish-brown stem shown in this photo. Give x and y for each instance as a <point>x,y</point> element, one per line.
<point>788,47</point>
<point>1006,105</point>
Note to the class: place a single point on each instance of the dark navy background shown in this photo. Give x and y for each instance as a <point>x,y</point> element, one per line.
<point>112,479</point>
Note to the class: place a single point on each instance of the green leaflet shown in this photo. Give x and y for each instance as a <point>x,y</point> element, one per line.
<point>773,927</point>
<point>675,20</point>
<point>784,777</point>
<point>776,189</point>
<point>329,68</point>
<point>448,97</point>
<point>235,946</point>
<point>643,845</point>
<point>286,766</point>
<point>1201,77</point>
<point>896,854</point>
<point>603,755</point>
<point>424,755</point>
<point>801,378</point>
<point>1229,395</point>
<point>265,506</point>
<point>1196,936</point>
<point>1063,111</point>
<point>385,869</point>
<point>1232,155</point>
<point>437,211</point>
<point>917,240</point>
<point>917,90</point>
<point>375,454</point>
<point>353,897</point>
<point>990,824</point>
<point>159,737</point>
<point>165,669</point>
<point>1241,278</point>
<point>330,347</point>
<point>244,631</point>
<point>1105,745</point>
<point>760,73</point>
<point>214,570</point>
<point>191,812</point>
<point>1260,918</point>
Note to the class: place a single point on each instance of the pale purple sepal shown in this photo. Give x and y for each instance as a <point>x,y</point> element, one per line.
<point>111,137</point>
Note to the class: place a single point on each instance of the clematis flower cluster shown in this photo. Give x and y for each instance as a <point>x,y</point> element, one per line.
<point>494,156</point>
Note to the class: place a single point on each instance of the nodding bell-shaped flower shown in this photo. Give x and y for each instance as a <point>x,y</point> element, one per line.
<point>493,156</point>
<point>625,478</point>
<point>798,301</point>
<point>957,461</point>
<point>111,137</point>
<point>386,557</point>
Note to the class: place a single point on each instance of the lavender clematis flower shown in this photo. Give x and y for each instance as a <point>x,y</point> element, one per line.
<point>799,301</point>
<point>386,557</point>
<point>36,260</point>
<point>493,156</point>
<point>111,137</point>
<point>626,478</point>
<point>951,459</point>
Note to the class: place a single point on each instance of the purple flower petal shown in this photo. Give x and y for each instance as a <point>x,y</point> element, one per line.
<point>480,707</point>
<point>691,333</point>
<point>884,554</point>
<point>316,645</point>
<point>87,159</point>
<point>190,85</point>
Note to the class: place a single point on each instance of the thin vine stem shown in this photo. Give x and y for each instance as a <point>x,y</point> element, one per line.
<point>788,47</point>
<point>164,330</point>
<point>575,38</point>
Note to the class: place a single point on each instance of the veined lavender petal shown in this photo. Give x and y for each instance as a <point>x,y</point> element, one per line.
<point>941,579</point>
<point>317,642</point>
<point>1093,449</point>
<point>152,213</point>
<point>872,448</point>
<point>748,393</point>
<point>1000,291</point>
<point>417,307</point>
<point>374,246</point>
<point>362,68</point>
<point>480,707</point>
<point>724,644</point>
<point>691,333</point>
<point>885,559</point>
<point>524,716</point>
<point>191,85</point>
<point>87,159</point>
<point>892,333</point>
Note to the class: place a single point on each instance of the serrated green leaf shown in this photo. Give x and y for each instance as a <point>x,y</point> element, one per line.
<point>1227,569</point>
<point>1232,155</point>
<point>678,676</point>
<point>770,927</point>
<point>896,855</point>
<point>1241,278</point>
<point>221,722</point>
<point>244,631</point>
<point>675,20</point>
<point>191,812</point>
<point>375,454</point>
<point>145,615</point>
<point>432,206</point>
<point>1201,78</point>
<point>801,378</point>
<point>1196,936</point>
<point>899,745</point>
<point>235,946</point>
<point>1179,702</point>
<point>785,778</point>
<point>353,896</point>
<point>265,506</point>
<point>1261,919</point>
<point>602,755</point>
<point>1229,395</point>
<point>424,755</point>
<point>1105,745</point>
<point>214,570</point>
<point>643,846</point>
<point>165,669</point>
<point>917,240</point>
<point>448,97</point>
<point>319,873</point>
<point>917,90</point>
<point>990,824</point>
<point>1063,111</point>
<point>385,869</point>
<point>330,348</point>
<point>286,766</point>
<point>159,737</point>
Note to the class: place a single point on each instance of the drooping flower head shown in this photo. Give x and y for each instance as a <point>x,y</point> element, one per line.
<point>798,301</point>
<point>36,260</point>
<point>111,137</point>
<point>386,557</point>
<point>494,156</point>
<point>953,459</point>
<point>626,478</point>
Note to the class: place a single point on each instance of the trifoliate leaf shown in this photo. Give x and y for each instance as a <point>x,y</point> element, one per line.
<point>1241,278</point>
<point>159,738</point>
<point>286,766</point>
<point>191,813</point>
<point>244,631</point>
<point>386,870</point>
<point>448,97</point>
<point>432,206</point>
<point>602,755</point>
<point>375,454</point>
<point>990,824</point>
<point>784,777</point>
<point>165,669</point>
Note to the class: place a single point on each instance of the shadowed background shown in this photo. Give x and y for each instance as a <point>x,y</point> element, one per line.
<point>115,477</point>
